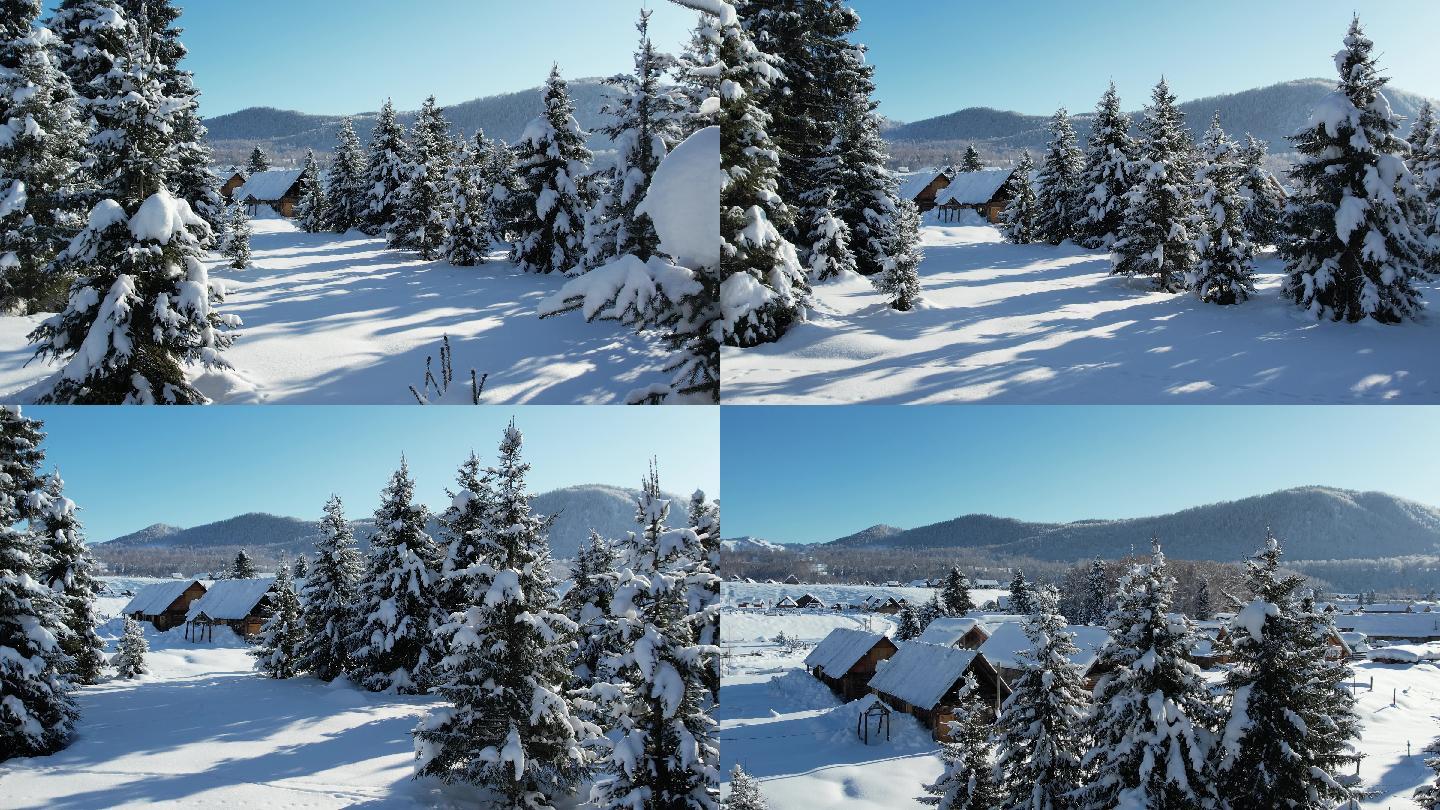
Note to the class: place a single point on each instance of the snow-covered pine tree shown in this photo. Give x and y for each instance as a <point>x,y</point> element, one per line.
<point>744,792</point>
<point>1152,705</point>
<point>278,653</point>
<point>868,192</point>
<point>1420,132</point>
<point>311,212</point>
<point>1224,272</point>
<point>1425,166</point>
<point>1096,602</point>
<point>1059,193</point>
<point>662,750</point>
<point>40,153</point>
<point>697,72</point>
<point>500,185</point>
<point>235,244</point>
<point>587,603</point>
<point>423,205</point>
<point>191,178</point>
<point>645,117</point>
<point>1108,173</point>
<point>705,520</point>
<point>1022,594</point>
<point>968,781</point>
<point>1040,731</point>
<point>69,573</point>
<point>463,525</point>
<point>92,34</point>
<point>130,651</point>
<point>37,713</point>
<point>1351,246</point>
<point>900,280</point>
<point>301,568</point>
<point>829,256</point>
<point>243,566</point>
<point>346,193</point>
<point>1428,796</point>
<point>1264,196</point>
<point>1020,222</point>
<point>762,285</point>
<point>547,210</point>
<point>395,648</point>
<point>467,232</point>
<point>1291,719</point>
<point>385,171</point>
<point>330,593</point>
<point>930,611</point>
<point>508,725</point>
<point>259,162</point>
<point>971,162</point>
<point>955,593</point>
<point>1204,602</point>
<point>909,625</point>
<point>1157,236</point>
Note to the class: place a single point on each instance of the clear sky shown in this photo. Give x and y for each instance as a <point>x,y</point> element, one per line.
<point>815,474</point>
<point>128,468</point>
<point>346,56</point>
<point>939,56</point>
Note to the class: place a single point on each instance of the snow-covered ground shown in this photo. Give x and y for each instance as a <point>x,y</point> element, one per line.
<point>338,318</point>
<point>1035,323</point>
<point>799,739</point>
<point>203,730</point>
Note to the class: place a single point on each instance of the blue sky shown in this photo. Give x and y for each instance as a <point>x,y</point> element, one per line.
<point>937,57</point>
<point>346,56</point>
<point>815,474</point>
<point>128,468</point>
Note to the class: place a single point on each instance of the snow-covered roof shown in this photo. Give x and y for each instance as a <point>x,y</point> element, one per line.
<point>912,183</point>
<point>973,188</point>
<point>947,630</point>
<point>230,598</point>
<point>985,583</point>
<point>152,600</point>
<point>1008,640</point>
<point>920,674</point>
<point>839,651</point>
<point>1387,607</point>
<point>1391,625</point>
<point>268,186</point>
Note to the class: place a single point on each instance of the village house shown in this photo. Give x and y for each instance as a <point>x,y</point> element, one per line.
<point>278,188</point>
<point>1391,628</point>
<point>924,680</point>
<point>792,580</point>
<point>240,604</point>
<point>991,584</point>
<point>921,186</point>
<point>889,605</point>
<point>845,660</point>
<point>1002,649</point>
<point>964,632</point>
<point>809,601</point>
<point>786,603</point>
<point>164,604</point>
<point>986,192</point>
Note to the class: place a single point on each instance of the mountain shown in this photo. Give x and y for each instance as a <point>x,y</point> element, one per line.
<point>1268,113</point>
<point>609,510</point>
<point>871,536</point>
<point>1315,523</point>
<point>750,544</point>
<point>286,134</point>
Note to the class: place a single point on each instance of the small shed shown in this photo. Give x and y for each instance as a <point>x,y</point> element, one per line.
<point>889,605</point>
<point>845,660</point>
<point>243,605</point>
<point>277,188</point>
<point>924,680</point>
<point>1008,640</point>
<point>965,632</point>
<point>164,604</point>
<point>986,191</point>
<point>807,600</point>
<point>786,603</point>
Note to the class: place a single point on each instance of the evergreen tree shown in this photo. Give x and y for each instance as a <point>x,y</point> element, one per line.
<point>279,652</point>
<point>331,591</point>
<point>467,232</point>
<point>547,210</point>
<point>1154,721</point>
<point>69,573</point>
<point>40,153</point>
<point>955,593</point>
<point>1022,600</point>
<point>192,179</point>
<point>347,200</point>
<point>1421,132</point>
<point>909,626</point>
<point>423,202</point>
<point>1021,220</point>
<point>1040,735</point>
<point>1428,796</point>
<point>1425,166</point>
<point>587,603</point>
<point>236,243</point>
<point>385,171</point>
<point>971,162</point>
<point>1204,603</point>
<point>1059,194</point>
<point>762,286</point>
<point>243,567</point>
<point>900,280</point>
<point>744,792</point>
<point>258,162</point>
<point>1097,594</point>
<point>1351,246</point>
<point>1156,238</point>
<point>463,526</point>
<point>301,568</point>
<point>93,34</point>
<point>1291,719</point>
<point>500,185</point>
<point>508,727</point>
<point>1264,196</point>
<point>129,657</point>
<point>828,236</point>
<point>1224,273</point>
<point>395,648</point>
<point>311,211</point>
<point>868,192</point>
<point>1109,173</point>
<point>968,781</point>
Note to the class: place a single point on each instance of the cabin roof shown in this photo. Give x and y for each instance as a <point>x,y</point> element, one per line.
<point>839,651</point>
<point>946,630</point>
<point>973,188</point>
<point>151,600</point>
<point>920,674</point>
<point>1007,641</point>
<point>230,599</point>
<point>912,183</point>
<point>269,186</point>
<point>1391,625</point>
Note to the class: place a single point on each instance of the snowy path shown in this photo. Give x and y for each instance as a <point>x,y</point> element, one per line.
<point>1034,323</point>
<point>332,318</point>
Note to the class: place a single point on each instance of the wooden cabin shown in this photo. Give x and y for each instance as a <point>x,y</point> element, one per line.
<point>809,601</point>
<point>846,659</point>
<point>278,188</point>
<point>921,187</point>
<point>243,605</point>
<point>786,603</point>
<point>889,605</point>
<point>1002,649</point>
<point>924,680</point>
<point>236,180</point>
<point>792,580</point>
<point>164,604</point>
<point>986,192</point>
<point>963,632</point>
